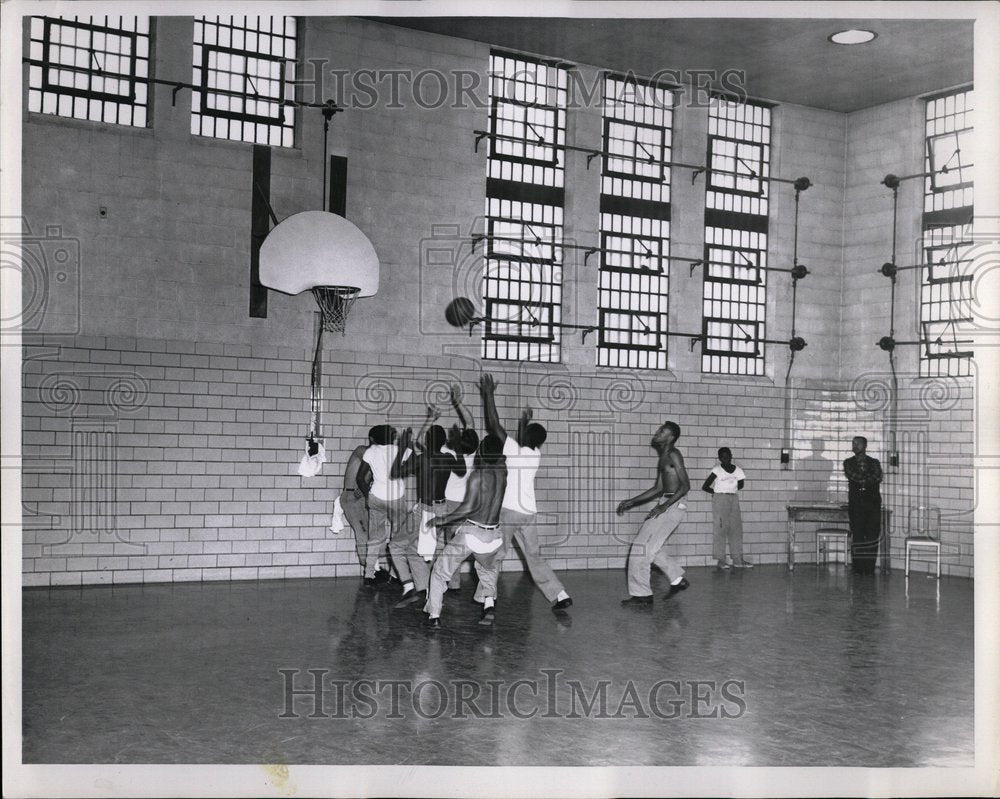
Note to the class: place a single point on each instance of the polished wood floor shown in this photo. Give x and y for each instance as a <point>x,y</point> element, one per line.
<point>762,668</point>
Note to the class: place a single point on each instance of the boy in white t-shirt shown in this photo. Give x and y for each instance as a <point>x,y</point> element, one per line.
<point>386,505</point>
<point>517,517</point>
<point>463,442</point>
<point>723,483</point>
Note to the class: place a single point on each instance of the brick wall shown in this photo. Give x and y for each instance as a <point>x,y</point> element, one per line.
<point>162,425</point>
<point>159,461</point>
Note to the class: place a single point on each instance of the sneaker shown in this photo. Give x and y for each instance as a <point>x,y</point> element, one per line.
<point>722,565</point>
<point>434,624</point>
<point>637,601</point>
<point>410,597</point>
<point>674,589</point>
<point>368,583</point>
<point>382,576</point>
<point>488,617</point>
<point>743,564</point>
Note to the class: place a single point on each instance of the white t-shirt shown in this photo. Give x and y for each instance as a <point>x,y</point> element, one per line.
<point>522,464</point>
<point>725,482</point>
<point>455,490</point>
<point>380,458</point>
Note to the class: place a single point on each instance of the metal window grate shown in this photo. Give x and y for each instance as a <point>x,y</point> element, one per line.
<point>946,284</point>
<point>945,301</point>
<point>633,281</point>
<point>739,147</point>
<point>93,68</point>
<point>947,158</point>
<point>245,68</point>
<point>522,286</point>
<point>633,288</point>
<point>523,281</point>
<point>734,292</point>
<point>527,120</point>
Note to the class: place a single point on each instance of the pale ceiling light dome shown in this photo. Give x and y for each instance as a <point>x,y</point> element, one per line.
<point>853,36</point>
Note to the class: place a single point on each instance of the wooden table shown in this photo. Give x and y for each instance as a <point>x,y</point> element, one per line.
<point>833,512</point>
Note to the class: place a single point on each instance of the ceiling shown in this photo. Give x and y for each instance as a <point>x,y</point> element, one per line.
<point>785,60</point>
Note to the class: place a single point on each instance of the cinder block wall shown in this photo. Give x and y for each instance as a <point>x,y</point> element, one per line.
<point>161,434</point>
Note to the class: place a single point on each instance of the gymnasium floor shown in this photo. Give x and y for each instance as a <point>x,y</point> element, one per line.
<point>766,668</point>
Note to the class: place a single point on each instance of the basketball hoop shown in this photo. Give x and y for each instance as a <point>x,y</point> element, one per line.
<point>334,304</point>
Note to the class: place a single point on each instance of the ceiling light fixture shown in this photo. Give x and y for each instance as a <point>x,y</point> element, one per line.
<point>852,36</point>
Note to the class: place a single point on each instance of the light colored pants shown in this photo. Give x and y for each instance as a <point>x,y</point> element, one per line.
<point>456,578</point>
<point>727,525</point>
<point>521,528</point>
<point>385,519</point>
<point>356,513</point>
<point>650,546</point>
<point>448,562</point>
<point>403,548</point>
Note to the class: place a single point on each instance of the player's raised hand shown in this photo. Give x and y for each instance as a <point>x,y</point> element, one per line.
<point>405,438</point>
<point>487,384</point>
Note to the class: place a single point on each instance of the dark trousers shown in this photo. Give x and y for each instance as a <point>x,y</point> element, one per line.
<point>865,517</point>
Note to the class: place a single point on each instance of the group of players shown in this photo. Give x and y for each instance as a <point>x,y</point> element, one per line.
<point>481,494</point>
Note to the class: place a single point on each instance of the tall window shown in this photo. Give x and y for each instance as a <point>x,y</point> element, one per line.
<point>93,68</point>
<point>735,260</point>
<point>634,224</point>
<point>245,68</point>
<point>524,209</point>
<point>946,285</point>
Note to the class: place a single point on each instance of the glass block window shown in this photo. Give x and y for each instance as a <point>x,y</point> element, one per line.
<point>522,286</point>
<point>739,155</point>
<point>245,68</point>
<point>633,281</point>
<point>946,284</point>
<point>523,281</point>
<point>527,120</point>
<point>93,68</point>
<point>946,301</point>
<point>637,139</point>
<point>734,301</point>
<point>734,292</point>
<point>947,159</point>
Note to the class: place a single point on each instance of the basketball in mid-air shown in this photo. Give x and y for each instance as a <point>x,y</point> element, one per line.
<point>460,312</point>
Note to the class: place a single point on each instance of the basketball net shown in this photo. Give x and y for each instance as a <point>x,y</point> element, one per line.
<point>334,305</point>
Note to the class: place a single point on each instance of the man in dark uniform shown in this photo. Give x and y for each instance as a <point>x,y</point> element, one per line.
<point>864,505</point>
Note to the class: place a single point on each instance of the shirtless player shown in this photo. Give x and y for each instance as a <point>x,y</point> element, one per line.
<point>649,545</point>
<point>477,532</point>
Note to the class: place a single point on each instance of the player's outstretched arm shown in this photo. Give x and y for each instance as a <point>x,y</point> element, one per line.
<point>464,414</point>
<point>644,497</point>
<point>488,387</point>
